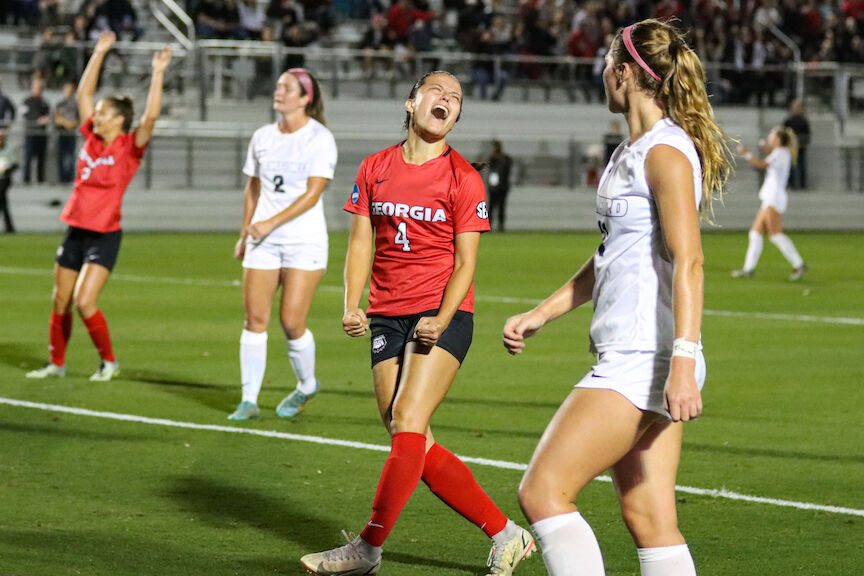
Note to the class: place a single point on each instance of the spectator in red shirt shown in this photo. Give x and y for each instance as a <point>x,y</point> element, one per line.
<point>107,163</point>
<point>402,15</point>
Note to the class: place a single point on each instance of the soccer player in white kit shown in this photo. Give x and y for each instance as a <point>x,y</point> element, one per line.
<point>645,280</point>
<point>283,240</point>
<point>782,148</point>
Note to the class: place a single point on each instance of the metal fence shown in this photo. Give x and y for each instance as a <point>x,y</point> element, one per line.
<point>206,159</point>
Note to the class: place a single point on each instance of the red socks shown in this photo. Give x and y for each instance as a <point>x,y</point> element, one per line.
<point>400,476</point>
<point>98,329</point>
<point>59,332</point>
<point>452,481</point>
<point>448,478</point>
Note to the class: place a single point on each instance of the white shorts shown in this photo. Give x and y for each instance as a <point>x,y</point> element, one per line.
<point>638,376</point>
<point>776,201</point>
<point>270,256</point>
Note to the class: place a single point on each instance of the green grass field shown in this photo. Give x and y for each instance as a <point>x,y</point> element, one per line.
<point>90,495</point>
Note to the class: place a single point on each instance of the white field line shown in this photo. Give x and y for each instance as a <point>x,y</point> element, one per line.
<point>713,493</point>
<point>479,297</point>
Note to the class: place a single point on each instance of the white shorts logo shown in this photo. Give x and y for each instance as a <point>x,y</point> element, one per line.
<point>378,344</point>
<point>482,213</point>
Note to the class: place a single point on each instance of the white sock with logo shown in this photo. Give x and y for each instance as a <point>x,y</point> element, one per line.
<point>301,353</point>
<point>666,561</point>
<point>785,245</point>
<point>754,250</point>
<point>253,362</point>
<point>569,546</point>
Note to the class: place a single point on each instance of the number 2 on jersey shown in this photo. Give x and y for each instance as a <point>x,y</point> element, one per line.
<point>402,237</point>
<point>278,181</point>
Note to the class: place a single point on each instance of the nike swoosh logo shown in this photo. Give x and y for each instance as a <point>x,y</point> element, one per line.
<point>380,181</point>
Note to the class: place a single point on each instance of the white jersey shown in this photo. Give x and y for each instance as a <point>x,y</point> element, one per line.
<point>283,163</point>
<point>632,267</point>
<point>773,191</point>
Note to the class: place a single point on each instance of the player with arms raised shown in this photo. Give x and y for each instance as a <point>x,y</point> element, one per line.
<point>424,207</point>
<point>106,165</point>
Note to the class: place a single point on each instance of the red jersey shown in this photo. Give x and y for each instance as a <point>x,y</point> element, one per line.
<point>416,212</point>
<point>104,172</point>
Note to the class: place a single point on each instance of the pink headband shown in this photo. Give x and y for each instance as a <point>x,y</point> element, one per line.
<point>304,79</point>
<point>628,43</point>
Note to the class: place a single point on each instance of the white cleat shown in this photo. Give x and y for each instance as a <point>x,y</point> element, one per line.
<point>357,558</point>
<point>503,559</point>
<point>107,371</point>
<point>50,370</point>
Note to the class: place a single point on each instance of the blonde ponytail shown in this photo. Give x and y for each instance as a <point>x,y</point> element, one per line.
<point>681,90</point>
<point>789,140</point>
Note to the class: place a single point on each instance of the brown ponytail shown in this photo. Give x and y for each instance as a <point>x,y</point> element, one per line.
<point>315,108</point>
<point>681,91</point>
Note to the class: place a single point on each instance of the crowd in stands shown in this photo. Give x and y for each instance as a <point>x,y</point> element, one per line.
<point>742,35</point>
<point>739,34</point>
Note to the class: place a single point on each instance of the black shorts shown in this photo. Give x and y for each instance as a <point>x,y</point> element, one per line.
<point>390,334</point>
<point>82,246</point>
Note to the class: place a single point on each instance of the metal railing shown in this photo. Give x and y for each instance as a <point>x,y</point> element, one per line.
<point>218,70</point>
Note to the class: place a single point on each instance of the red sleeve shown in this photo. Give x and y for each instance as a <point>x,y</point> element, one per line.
<point>469,203</point>
<point>86,128</point>
<point>358,203</point>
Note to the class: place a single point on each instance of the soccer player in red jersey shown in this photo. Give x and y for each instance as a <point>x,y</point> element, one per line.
<point>107,163</point>
<point>424,206</point>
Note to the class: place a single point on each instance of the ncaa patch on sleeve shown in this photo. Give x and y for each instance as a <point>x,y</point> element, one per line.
<point>355,194</point>
<point>481,211</point>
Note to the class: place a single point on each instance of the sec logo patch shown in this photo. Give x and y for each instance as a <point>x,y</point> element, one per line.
<point>481,211</point>
<point>355,194</point>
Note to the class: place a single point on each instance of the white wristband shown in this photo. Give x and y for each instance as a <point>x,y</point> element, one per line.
<point>685,348</point>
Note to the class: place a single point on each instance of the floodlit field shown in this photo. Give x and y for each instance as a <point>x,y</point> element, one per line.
<point>95,494</point>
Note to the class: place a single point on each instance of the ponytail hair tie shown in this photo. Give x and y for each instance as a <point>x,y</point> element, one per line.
<point>305,81</point>
<point>627,35</point>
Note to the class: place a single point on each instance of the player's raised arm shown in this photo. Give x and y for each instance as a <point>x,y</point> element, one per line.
<point>90,78</point>
<point>161,59</point>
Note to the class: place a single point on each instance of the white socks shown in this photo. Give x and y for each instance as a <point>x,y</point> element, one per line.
<point>301,353</point>
<point>666,561</point>
<point>510,531</point>
<point>785,245</point>
<point>754,250</point>
<point>253,361</point>
<point>781,241</point>
<point>569,546</point>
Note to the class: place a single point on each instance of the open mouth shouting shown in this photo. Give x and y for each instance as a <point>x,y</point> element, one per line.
<point>440,112</point>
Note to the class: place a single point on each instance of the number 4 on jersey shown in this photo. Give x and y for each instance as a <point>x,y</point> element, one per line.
<point>402,237</point>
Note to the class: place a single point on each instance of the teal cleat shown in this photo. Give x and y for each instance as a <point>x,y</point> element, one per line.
<point>294,403</point>
<point>245,411</point>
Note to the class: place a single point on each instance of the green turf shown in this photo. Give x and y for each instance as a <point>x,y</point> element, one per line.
<point>80,495</point>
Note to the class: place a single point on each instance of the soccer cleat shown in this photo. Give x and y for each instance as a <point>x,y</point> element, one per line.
<point>245,411</point>
<point>503,560</point>
<point>107,371</point>
<point>294,403</point>
<point>742,273</point>
<point>798,273</point>
<point>352,559</point>
<point>50,370</point>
